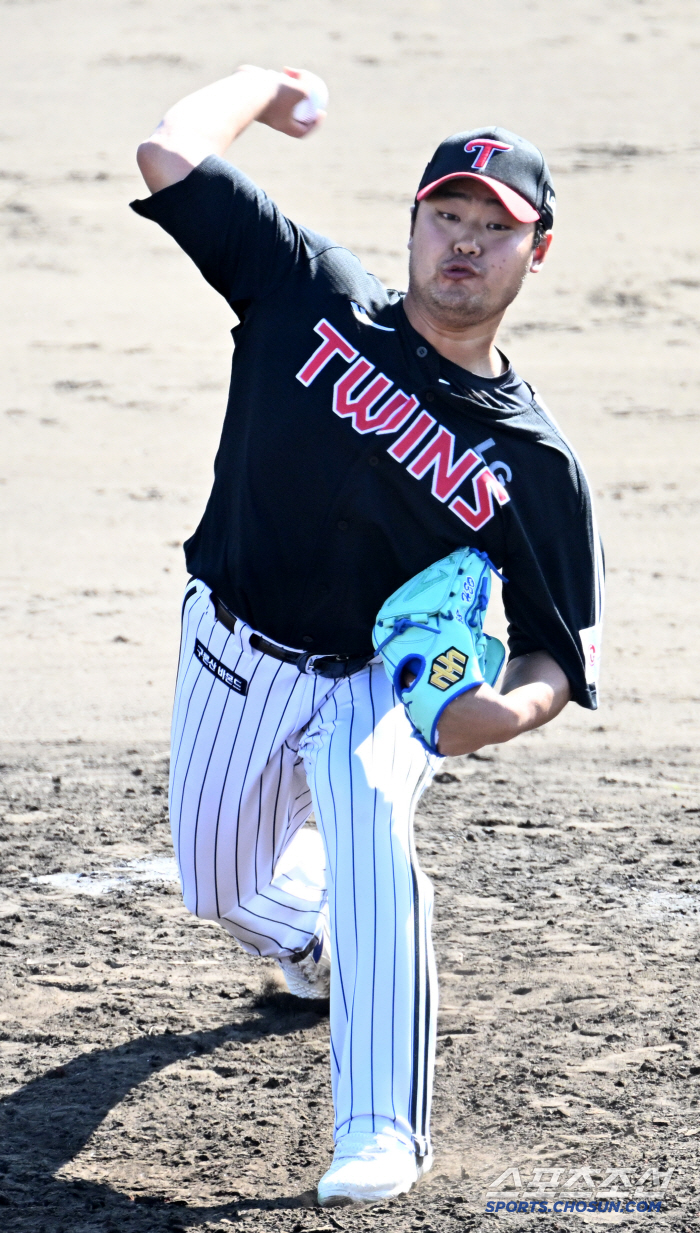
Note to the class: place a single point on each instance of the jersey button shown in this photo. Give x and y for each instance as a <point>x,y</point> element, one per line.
<point>373,461</point>
<point>307,639</point>
<point>342,525</point>
<point>422,352</point>
<point>430,397</point>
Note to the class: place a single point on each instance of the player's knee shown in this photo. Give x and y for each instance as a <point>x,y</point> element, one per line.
<point>202,908</point>
<point>232,917</point>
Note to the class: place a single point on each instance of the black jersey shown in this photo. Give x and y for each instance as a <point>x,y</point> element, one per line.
<point>353,455</point>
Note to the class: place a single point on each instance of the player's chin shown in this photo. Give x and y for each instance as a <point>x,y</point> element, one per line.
<point>457,290</point>
<point>459,305</point>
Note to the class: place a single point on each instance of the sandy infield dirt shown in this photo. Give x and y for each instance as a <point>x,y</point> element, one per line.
<point>153,1077</point>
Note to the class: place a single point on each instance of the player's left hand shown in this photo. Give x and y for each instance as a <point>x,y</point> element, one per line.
<point>431,628</point>
<point>294,86</point>
<point>443,667</point>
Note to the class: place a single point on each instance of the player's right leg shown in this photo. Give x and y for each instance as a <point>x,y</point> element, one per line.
<point>238,791</point>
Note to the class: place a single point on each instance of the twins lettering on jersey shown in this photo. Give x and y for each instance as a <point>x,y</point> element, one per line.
<point>369,414</point>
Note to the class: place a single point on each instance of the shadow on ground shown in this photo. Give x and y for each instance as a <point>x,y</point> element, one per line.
<point>47,1123</point>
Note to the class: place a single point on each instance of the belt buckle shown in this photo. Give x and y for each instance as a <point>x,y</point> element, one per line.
<point>302,662</point>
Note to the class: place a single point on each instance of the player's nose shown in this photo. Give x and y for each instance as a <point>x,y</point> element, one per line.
<point>468,245</point>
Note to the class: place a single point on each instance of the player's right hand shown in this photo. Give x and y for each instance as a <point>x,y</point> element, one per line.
<point>293,86</point>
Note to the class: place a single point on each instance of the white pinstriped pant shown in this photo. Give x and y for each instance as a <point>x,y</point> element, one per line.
<point>246,771</point>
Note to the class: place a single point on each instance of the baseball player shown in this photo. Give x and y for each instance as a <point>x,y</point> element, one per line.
<point>368,434</point>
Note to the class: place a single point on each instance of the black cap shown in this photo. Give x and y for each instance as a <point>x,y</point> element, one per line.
<point>513,167</point>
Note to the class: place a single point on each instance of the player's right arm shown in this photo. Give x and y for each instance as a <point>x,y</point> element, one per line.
<point>206,122</point>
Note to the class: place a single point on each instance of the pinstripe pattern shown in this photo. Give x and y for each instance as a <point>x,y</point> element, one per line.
<point>246,770</point>
<point>366,772</point>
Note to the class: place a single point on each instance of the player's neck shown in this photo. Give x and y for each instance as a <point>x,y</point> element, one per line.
<point>473,348</point>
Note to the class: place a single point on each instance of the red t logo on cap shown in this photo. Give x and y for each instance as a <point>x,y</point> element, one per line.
<point>486,148</point>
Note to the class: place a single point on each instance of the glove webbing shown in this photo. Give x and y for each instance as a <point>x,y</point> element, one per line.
<point>481,603</point>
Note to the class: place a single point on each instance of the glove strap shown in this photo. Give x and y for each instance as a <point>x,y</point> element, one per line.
<point>484,556</point>
<point>401,625</point>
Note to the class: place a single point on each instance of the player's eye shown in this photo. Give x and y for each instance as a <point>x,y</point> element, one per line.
<point>453,218</point>
<point>498,227</point>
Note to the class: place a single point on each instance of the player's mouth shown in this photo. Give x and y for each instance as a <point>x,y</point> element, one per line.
<point>458,271</point>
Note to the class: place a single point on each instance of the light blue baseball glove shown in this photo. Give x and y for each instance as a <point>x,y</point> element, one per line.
<point>433,626</point>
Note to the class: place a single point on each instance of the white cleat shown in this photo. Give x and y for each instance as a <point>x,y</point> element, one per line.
<point>368,1168</point>
<point>308,974</point>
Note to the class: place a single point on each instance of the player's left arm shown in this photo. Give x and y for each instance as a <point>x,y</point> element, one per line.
<point>534,691</point>
<point>553,600</point>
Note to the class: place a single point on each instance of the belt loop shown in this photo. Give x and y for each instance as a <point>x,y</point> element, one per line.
<point>303,660</point>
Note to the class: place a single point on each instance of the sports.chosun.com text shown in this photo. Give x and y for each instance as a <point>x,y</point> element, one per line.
<point>562,1206</point>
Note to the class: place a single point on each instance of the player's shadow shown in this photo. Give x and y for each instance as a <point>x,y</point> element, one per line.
<point>46,1123</point>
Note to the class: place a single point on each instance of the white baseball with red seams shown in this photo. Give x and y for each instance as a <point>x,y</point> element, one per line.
<point>306,111</point>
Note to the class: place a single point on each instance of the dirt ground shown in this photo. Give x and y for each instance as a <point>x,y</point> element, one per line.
<point>153,1077</point>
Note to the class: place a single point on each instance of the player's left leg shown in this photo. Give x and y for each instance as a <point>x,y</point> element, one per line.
<point>366,771</point>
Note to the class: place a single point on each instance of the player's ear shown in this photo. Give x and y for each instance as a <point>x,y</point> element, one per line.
<point>540,252</point>
<point>414,212</point>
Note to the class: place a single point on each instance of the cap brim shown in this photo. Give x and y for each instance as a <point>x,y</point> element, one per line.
<point>513,202</point>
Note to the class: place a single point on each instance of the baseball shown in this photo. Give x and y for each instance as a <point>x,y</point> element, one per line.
<point>306,111</point>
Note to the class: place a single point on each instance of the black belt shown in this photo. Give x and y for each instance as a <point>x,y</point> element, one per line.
<point>333,666</point>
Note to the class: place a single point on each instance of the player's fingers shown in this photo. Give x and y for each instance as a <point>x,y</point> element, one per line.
<point>297,92</point>
<point>309,126</point>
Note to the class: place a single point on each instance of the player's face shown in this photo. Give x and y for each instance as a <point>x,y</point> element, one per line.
<point>469,256</point>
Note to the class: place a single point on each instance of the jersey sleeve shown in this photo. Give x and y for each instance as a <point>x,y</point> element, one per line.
<point>236,236</point>
<point>554,596</point>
